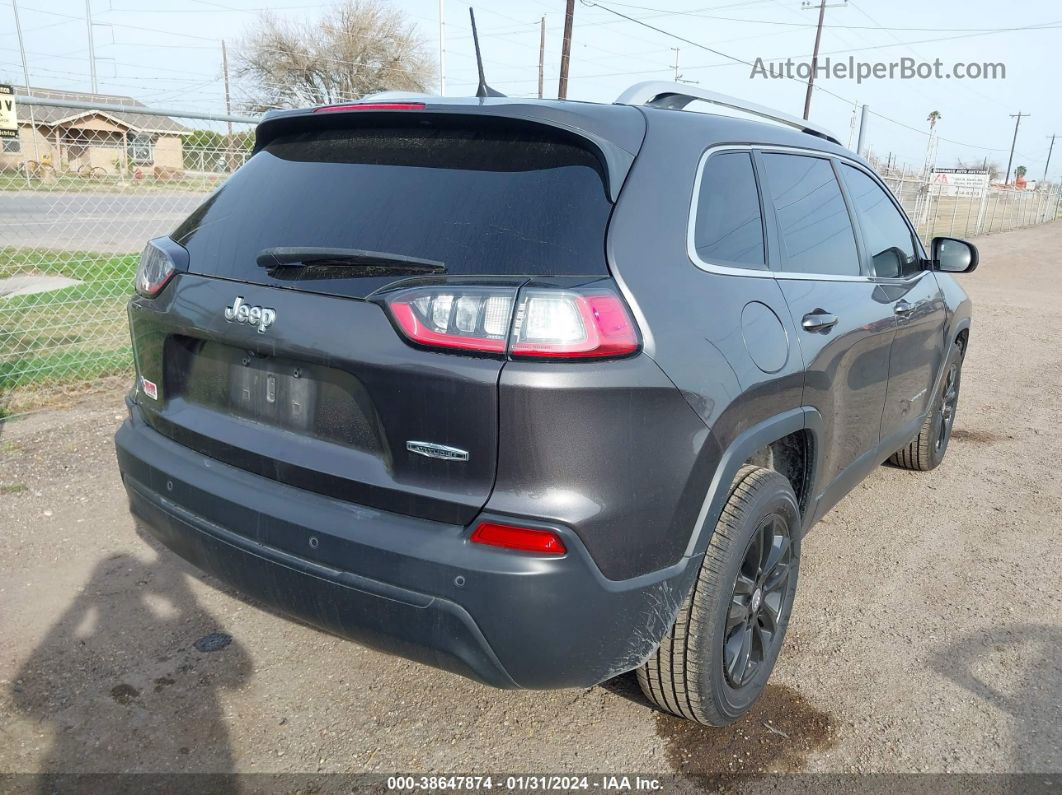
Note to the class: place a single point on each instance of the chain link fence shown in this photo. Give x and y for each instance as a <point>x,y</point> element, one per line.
<point>978,212</point>
<point>82,189</point>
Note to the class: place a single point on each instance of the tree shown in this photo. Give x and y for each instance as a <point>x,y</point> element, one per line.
<point>208,150</point>
<point>1019,172</point>
<point>995,171</point>
<point>356,48</point>
<point>933,118</point>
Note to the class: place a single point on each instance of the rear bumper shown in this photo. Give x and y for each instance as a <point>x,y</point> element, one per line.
<point>403,585</point>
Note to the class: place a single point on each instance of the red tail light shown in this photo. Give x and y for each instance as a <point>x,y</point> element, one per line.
<point>540,323</point>
<point>462,318</point>
<point>371,106</point>
<point>522,539</point>
<point>157,266</point>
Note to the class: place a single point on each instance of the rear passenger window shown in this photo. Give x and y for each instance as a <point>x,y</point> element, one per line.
<point>728,229</point>
<point>887,235</point>
<point>816,232</point>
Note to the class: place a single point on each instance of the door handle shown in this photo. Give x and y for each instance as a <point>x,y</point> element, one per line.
<point>819,320</point>
<point>902,308</point>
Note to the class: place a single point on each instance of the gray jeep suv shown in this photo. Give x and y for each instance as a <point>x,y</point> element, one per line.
<point>537,392</point>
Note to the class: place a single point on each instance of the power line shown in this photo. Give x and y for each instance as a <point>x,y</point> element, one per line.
<point>749,63</point>
<point>123,25</point>
<point>698,44</point>
<point>663,12</point>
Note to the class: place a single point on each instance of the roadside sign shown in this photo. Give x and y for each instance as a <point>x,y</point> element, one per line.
<point>958,181</point>
<point>8,115</point>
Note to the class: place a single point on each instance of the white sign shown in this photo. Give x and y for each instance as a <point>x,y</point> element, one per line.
<point>958,181</point>
<point>8,116</point>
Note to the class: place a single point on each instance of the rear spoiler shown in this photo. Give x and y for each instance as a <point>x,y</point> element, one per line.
<point>614,133</point>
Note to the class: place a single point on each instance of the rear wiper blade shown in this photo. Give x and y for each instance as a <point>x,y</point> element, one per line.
<point>376,261</point>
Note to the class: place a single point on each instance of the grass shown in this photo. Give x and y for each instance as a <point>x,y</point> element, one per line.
<point>73,335</point>
<point>67,183</point>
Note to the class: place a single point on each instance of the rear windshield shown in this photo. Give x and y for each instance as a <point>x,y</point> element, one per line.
<point>481,202</point>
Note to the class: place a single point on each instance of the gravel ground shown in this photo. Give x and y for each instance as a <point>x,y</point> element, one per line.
<point>927,633</point>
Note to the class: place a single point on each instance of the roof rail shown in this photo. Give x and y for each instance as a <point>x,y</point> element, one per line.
<point>662,94</point>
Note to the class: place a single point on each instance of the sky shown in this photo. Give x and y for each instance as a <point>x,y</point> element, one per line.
<point>167,53</point>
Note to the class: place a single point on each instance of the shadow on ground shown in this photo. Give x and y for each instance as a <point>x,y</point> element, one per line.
<point>128,679</point>
<point>1017,669</point>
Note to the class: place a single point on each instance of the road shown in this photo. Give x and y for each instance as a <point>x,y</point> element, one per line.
<point>926,637</point>
<point>92,221</point>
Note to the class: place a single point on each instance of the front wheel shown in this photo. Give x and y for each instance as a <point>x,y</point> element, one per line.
<point>713,664</point>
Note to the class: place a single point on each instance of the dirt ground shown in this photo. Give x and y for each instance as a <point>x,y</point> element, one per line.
<point>927,634</point>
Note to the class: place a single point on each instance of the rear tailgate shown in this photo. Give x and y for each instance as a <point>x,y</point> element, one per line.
<point>328,396</point>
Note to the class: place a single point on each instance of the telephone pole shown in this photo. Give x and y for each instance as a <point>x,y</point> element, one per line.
<point>92,47</point>
<point>566,50</point>
<point>678,77</point>
<point>1017,123</point>
<point>229,159</point>
<point>808,5</point>
<point>1047,165</point>
<point>26,78</point>
<point>541,55</point>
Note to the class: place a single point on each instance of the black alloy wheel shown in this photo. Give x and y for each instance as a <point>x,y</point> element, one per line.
<point>757,602</point>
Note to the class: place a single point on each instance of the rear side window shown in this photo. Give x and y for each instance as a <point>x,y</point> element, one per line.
<point>483,202</point>
<point>888,238</point>
<point>728,228</point>
<point>813,223</point>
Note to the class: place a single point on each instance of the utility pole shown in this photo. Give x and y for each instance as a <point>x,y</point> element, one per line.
<point>852,123</point>
<point>808,5</point>
<point>566,50</point>
<point>1047,165</point>
<point>25,77</point>
<point>678,77</point>
<point>862,130</point>
<point>442,48</point>
<point>92,46</point>
<point>541,55</point>
<point>228,105</point>
<point>1017,116</point>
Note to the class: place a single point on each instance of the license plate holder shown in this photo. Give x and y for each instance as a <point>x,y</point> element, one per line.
<point>273,392</point>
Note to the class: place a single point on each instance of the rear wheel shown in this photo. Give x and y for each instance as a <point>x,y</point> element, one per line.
<point>712,666</point>
<point>927,449</point>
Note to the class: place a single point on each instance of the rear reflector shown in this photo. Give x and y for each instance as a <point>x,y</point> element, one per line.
<point>539,323</point>
<point>371,106</point>
<point>522,539</point>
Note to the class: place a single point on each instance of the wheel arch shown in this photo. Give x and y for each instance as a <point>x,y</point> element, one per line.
<point>802,423</point>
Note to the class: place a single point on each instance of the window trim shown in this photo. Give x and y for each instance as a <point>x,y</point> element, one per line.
<point>691,234</point>
<point>916,241</point>
<point>772,272</point>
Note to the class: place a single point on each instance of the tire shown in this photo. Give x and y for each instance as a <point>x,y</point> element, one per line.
<point>686,675</point>
<point>926,451</point>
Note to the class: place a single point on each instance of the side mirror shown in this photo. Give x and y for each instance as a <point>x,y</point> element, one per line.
<point>951,255</point>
